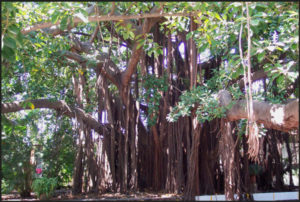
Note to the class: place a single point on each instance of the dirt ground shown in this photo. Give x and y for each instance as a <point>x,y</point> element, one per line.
<point>66,195</point>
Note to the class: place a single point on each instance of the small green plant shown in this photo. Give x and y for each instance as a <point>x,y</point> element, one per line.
<point>6,188</point>
<point>44,187</point>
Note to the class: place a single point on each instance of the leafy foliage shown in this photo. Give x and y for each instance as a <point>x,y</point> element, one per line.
<point>44,186</point>
<point>203,100</point>
<point>16,148</point>
<point>58,152</point>
<point>154,87</point>
<point>55,151</point>
<point>6,188</point>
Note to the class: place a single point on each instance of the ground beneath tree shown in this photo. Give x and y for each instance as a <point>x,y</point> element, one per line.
<point>62,195</point>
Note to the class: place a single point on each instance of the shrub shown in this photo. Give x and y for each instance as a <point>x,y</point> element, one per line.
<point>6,188</point>
<point>44,186</point>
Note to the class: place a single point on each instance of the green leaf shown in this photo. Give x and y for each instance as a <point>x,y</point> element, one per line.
<point>235,75</point>
<point>297,92</point>
<point>262,5</point>
<point>189,35</point>
<point>14,30</point>
<point>218,16</point>
<point>131,34</point>
<point>19,39</point>
<point>128,26</point>
<point>203,48</point>
<point>260,14</point>
<point>63,23</point>
<point>55,17</point>
<point>208,39</point>
<point>125,35</point>
<point>280,79</point>
<point>31,105</point>
<point>8,53</point>
<point>261,56</point>
<point>38,45</point>
<point>254,22</point>
<point>10,42</point>
<point>139,45</point>
<point>138,36</point>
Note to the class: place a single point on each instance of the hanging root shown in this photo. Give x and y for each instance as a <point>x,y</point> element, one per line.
<point>253,141</point>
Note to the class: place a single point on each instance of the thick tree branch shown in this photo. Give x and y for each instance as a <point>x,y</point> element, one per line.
<point>60,105</point>
<point>104,18</point>
<point>276,116</point>
<point>136,53</point>
<point>113,7</point>
<point>110,71</point>
<point>74,56</point>
<point>79,46</point>
<point>260,74</point>
<point>94,34</point>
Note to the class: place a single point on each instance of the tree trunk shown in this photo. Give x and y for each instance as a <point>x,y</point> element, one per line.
<point>290,159</point>
<point>133,156</point>
<point>192,184</point>
<point>27,181</point>
<point>179,159</point>
<point>127,121</point>
<point>78,166</point>
<point>245,172</point>
<point>276,150</point>
<point>157,170</point>
<point>107,102</point>
<point>135,107</point>
<point>171,180</point>
<point>279,117</point>
<point>79,161</point>
<point>228,158</point>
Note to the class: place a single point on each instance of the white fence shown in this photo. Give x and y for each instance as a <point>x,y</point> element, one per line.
<point>272,196</point>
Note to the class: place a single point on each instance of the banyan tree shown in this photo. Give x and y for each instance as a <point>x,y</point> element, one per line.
<point>177,97</point>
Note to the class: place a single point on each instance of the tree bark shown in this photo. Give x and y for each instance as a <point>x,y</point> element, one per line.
<point>77,20</point>
<point>193,162</point>
<point>78,165</point>
<point>276,116</point>
<point>228,160</point>
<point>107,102</point>
<point>60,106</point>
<point>290,159</point>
